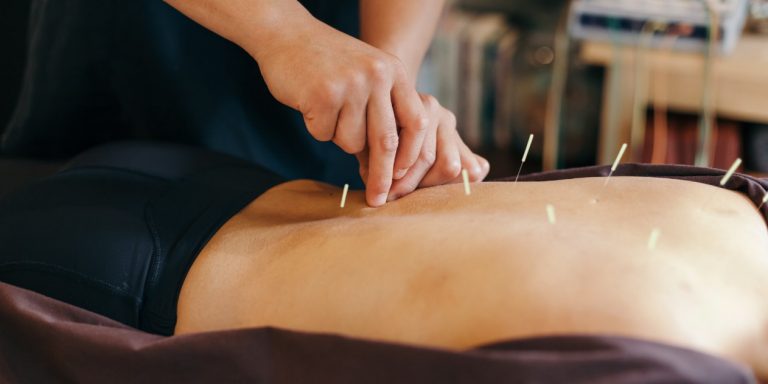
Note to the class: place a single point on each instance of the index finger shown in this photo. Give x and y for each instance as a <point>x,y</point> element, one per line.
<point>382,147</point>
<point>413,122</point>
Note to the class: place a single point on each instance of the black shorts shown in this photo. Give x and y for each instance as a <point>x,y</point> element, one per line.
<point>116,231</point>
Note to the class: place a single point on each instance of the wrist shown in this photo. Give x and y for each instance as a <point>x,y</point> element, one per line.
<point>275,25</point>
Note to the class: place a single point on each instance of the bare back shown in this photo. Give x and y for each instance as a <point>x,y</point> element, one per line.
<point>439,268</point>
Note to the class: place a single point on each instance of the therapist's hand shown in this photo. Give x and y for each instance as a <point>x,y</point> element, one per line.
<point>442,156</point>
<point>359,94</point>
<point>350,93</point>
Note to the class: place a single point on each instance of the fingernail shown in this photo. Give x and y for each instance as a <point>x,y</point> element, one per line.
<point>400,173</point>
<point>380,200</point>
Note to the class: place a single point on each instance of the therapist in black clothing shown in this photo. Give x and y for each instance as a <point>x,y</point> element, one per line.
<point>138,69</point>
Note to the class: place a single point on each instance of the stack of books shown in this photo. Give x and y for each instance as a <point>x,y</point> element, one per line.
<point>468,69</point>
<point>625,20</point>
<point>495,75</point>
<point>756,149</point>
<point>675,141</point>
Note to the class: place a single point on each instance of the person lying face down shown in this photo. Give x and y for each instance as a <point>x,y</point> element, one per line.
<point>440,268</point>
<point>437,268</point>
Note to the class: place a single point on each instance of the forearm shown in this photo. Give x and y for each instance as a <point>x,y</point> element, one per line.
<point>403,28</point>
<point>252,24</point>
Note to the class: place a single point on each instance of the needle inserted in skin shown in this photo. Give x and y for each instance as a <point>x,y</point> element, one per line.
<point>465,177</point>
<point>613,169</point>
<point>344,196</point>
<point>653,239</point>
<point>525,156</point>
<point>765,201</point>
<point>730,172</point>
<point>616,162</point>
<point>551,214</point>
<point>726,178</point>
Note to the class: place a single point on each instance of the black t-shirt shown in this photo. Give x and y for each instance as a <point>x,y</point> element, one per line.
<point>115,70</point>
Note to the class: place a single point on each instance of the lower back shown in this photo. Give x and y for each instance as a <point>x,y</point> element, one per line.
<point>440,268</point>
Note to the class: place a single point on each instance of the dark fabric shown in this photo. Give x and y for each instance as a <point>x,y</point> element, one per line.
<point>46,341</point>
<point>43,340</point>
<point>13,32</point>
<point>16,173</point>
<point>106,70</point>
<point>117,229</point>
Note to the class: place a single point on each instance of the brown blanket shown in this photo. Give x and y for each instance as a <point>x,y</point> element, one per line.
<point>43,340</point>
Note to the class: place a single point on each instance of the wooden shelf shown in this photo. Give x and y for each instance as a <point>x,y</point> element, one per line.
<point>741,78</point>
<point>740,88</point>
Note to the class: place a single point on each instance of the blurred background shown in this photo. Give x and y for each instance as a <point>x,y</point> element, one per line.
<point>586,76</point>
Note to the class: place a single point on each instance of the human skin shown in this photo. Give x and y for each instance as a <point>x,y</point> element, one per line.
<point>404,29</point>
<point>441,269</point>
<point>442,157</point>
<point>355,93</point>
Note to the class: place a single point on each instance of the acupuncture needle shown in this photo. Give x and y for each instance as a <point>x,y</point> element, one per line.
<point>344,196</point>
<point>730,172</point>
<point>551,214</point>
<point>525,156</point>
<point>616,163</point>
<point>613,169</point>
<point>465,177</point>
<point>653,239</point>
<point>726,178</point>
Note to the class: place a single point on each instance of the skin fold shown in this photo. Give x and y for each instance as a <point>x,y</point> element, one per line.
<point>441,269</point>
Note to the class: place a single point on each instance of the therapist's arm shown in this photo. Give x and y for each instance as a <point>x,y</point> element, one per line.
<point>403,28</point>
<point>348,91</point>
